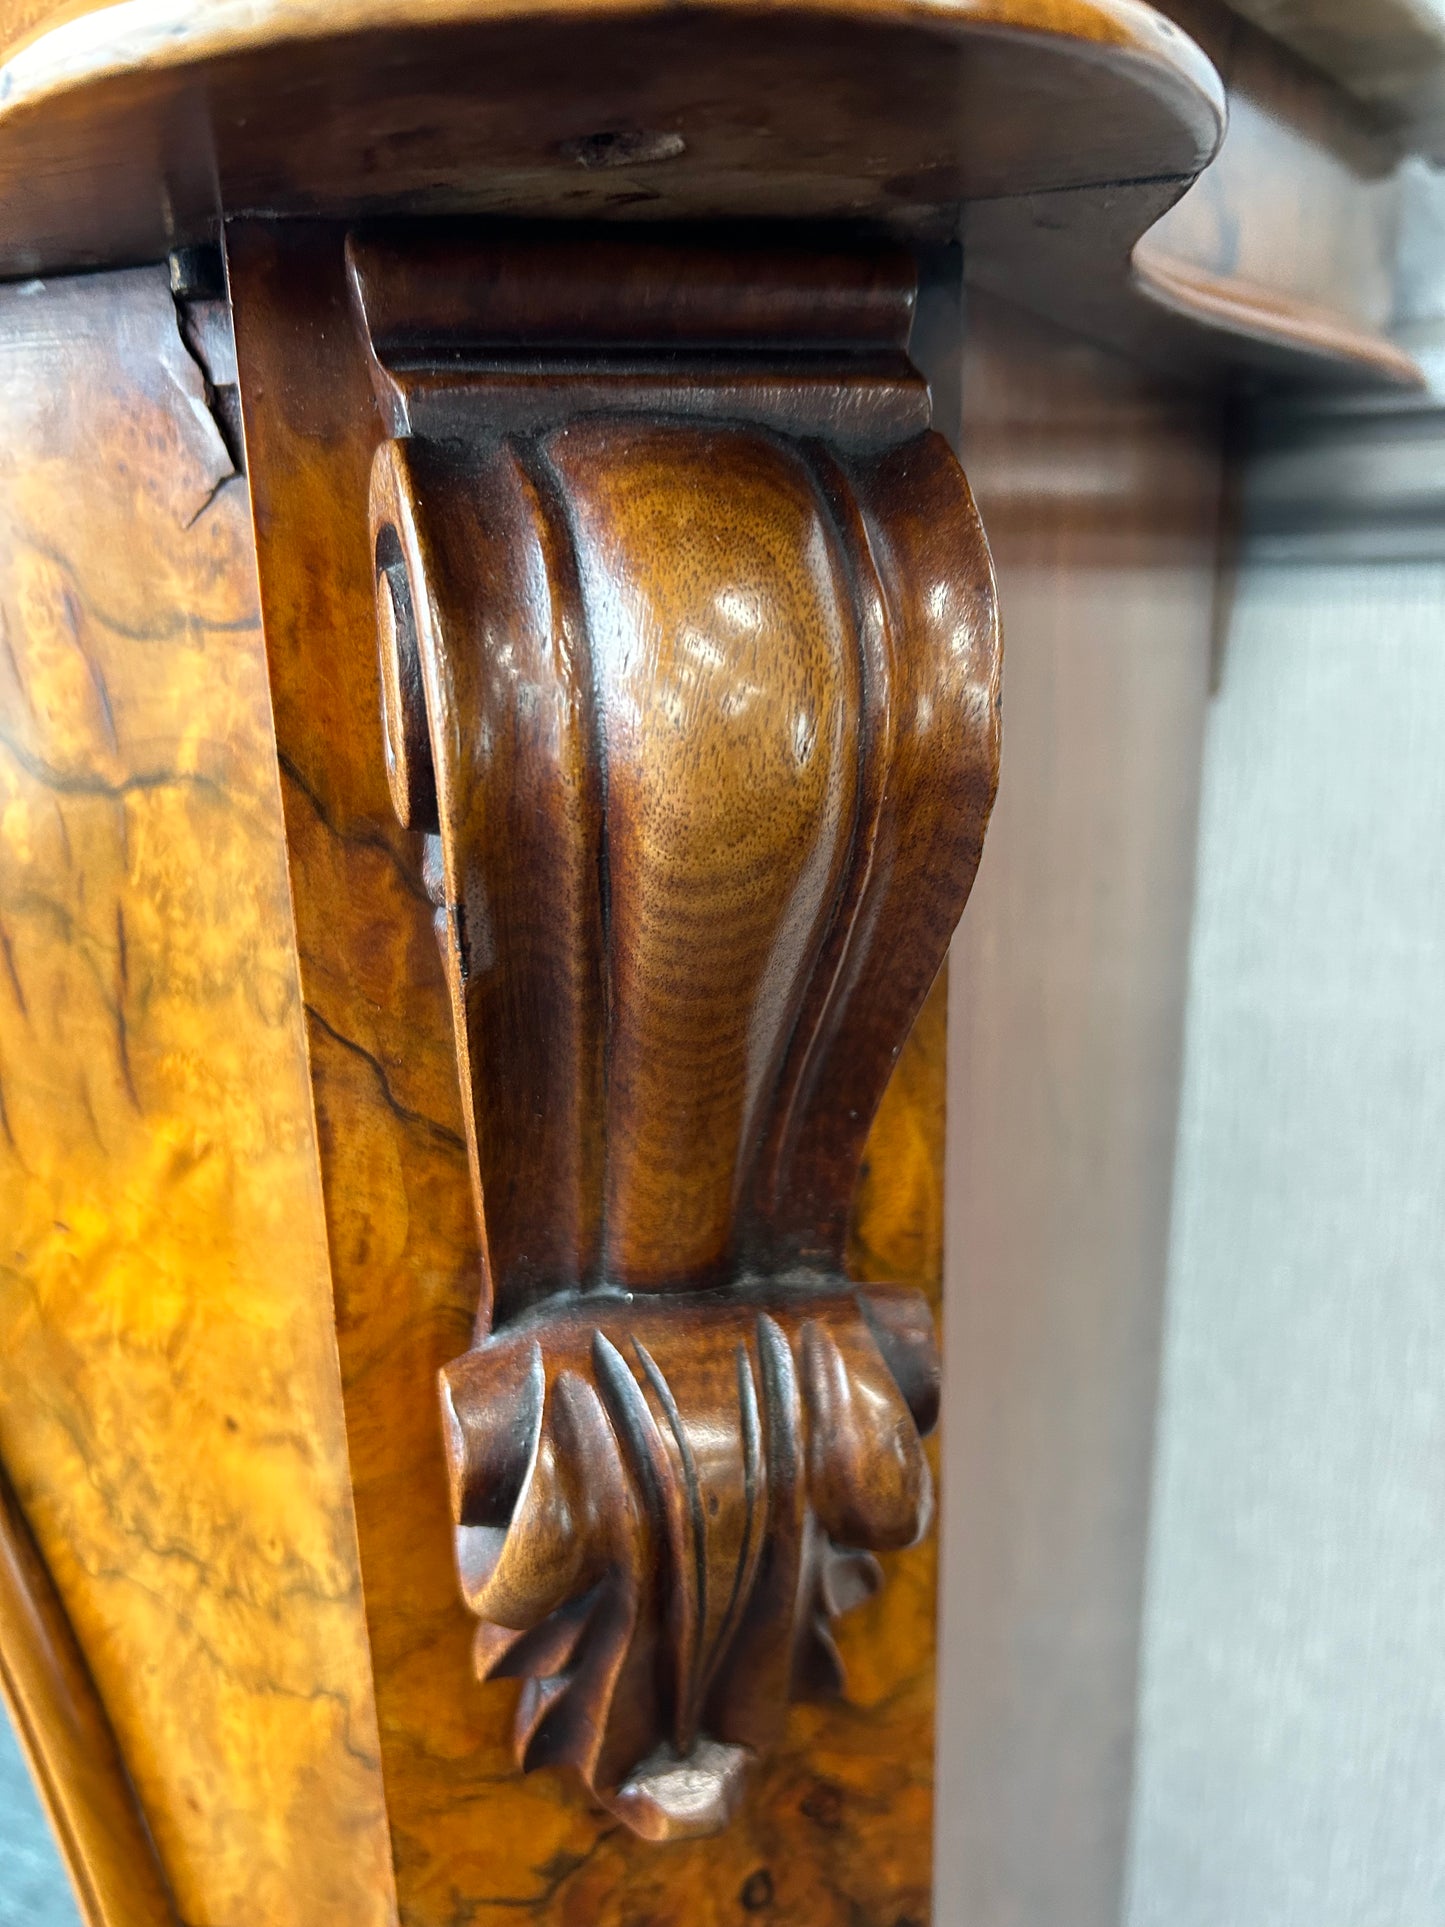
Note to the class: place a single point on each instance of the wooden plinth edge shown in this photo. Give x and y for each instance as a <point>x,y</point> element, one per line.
<point>1265,329</point>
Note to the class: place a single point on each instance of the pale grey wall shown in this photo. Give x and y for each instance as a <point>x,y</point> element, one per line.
<point>1291,1759</point>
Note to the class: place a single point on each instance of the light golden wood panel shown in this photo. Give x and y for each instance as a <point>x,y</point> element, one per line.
<point>68,1741</point>
<point>169,1397</point>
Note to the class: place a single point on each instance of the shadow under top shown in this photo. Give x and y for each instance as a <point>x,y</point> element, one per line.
<point>127,130</point>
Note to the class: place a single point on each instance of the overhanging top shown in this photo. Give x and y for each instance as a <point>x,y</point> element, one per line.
<point>127,130</point>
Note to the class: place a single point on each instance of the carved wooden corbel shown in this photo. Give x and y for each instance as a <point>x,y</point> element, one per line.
<point>690,669</point>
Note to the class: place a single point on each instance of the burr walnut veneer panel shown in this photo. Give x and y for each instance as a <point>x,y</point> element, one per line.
<point>169,1406</point>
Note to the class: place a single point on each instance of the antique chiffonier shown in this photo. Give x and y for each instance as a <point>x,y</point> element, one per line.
<point>500,711</point>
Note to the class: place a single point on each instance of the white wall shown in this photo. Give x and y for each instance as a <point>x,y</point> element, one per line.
<point>1291,1755</point>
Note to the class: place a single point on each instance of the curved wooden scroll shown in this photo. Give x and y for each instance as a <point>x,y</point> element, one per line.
<point>690,667</point>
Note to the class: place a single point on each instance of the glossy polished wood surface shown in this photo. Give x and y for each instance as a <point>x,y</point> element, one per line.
<point>169,1405</point>
<point>204,1227</point>
<point>663,1505</point>
<point>1273,267</point>
<point>124,129</point>
<point>830,1825</point>
<point>733,690</point>
<point>699,720</point>
<point>1288,238</point>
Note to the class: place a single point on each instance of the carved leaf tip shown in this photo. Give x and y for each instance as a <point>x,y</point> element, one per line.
<point>696,1506</point>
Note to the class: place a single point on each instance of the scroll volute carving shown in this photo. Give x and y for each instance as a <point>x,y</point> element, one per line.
<point>690,681</point>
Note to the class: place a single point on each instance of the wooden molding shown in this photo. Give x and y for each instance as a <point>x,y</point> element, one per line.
<point>1091,259</point>
<point>68,1741</point>
<point>1302,340</point>
<point>1054,136</point>
<point>690,663</point>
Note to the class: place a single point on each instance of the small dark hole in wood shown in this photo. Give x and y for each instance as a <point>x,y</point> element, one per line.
<point>624,147</point>
<point>757,1891</point>
<point>824,1806</point>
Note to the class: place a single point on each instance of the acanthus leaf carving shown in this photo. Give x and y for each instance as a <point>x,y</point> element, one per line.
<point>661,1508</point>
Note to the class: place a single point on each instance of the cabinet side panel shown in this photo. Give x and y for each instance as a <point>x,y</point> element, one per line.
<point>170,1406</point>
<point>1100,490</point>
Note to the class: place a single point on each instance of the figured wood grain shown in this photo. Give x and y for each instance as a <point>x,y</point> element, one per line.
<point>126,129</point>
<point>829,1829</point>
<point>68,1741</point>
<point>397,1220</point>
<point>169,1402</point>
<point>110,146</point>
